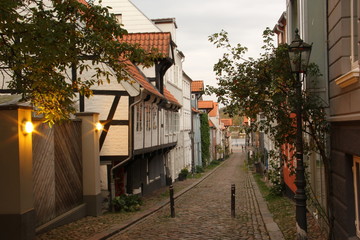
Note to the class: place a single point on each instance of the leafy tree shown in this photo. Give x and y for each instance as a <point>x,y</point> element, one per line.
<point>45,47</point>
<point>266,86</point>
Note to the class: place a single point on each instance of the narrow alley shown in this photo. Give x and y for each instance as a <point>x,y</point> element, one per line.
<point>204,211</point>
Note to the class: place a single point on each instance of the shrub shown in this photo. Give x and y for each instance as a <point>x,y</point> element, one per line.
<point>199,169</point>
<point>127,203</point>
<point>183,174</point>
<point>215,162</point>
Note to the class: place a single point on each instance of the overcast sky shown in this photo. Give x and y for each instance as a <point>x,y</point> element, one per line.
<point>244,20</point>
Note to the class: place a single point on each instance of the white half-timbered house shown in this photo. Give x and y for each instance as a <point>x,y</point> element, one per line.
<point>135,22</point>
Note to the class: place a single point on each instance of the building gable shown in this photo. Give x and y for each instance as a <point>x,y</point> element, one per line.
<point>133,19</point>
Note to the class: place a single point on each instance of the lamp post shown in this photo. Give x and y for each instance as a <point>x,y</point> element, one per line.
<point>299,54</point>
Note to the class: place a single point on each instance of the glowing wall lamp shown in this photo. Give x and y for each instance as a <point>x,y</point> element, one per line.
<point>27,127</point>
<point>99,127</point>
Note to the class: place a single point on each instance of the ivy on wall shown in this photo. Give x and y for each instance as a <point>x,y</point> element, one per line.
<point>205,138</point>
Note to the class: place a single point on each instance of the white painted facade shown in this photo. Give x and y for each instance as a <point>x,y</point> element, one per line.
<point>186,118</point>
<point>132,18</point>
<point>196,134</point>
<point>116,142</point>
<point>180,157</point>
<point>215,119</point>
<point>176,125</point>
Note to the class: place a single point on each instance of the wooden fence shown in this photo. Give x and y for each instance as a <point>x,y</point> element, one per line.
<point>57,169</point>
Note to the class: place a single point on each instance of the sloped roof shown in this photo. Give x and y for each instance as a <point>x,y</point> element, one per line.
<point>197,86</point>
<point>205,105</point>
<point>137,75</point>
<point>149,41</point>
<point>227,122</point>
<point>214,112</point>
<point>171,97</point>
<point>211,124</point>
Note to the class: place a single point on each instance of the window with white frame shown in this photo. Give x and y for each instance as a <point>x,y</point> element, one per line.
<point>139,117</point>
<point>176,122</point>
<point>147,117</point>
<point>172,122</point>
<point>167,121</point>
<point>356,177</point>
<point>118,18</point>
<point>154,117</point>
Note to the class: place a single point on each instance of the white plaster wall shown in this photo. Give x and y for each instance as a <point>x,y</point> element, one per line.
<point>148,72</point>
<point>116,142</point>
<point>168,27</point>
<point>187,118</point>
<point>132,17</point>
<point>102,105</point>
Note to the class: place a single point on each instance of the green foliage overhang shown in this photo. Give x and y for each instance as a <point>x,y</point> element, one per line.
<point>41,41</point>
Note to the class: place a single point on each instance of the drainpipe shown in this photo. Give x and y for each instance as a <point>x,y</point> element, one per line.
<point>130,146</point>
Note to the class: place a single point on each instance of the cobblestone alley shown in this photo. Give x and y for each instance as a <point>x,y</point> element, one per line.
<point>204,211</point>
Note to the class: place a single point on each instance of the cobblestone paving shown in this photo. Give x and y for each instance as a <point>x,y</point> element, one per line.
<point>204,211</point>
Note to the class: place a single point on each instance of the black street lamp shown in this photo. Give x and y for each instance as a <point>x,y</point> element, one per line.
<point>299,54</point>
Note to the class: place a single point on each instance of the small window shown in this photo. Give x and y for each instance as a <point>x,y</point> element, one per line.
<point>118,18</point>
<point>139,117</point>
<point>154,117</point>
<point>147,118</point>
<point>167,122</point>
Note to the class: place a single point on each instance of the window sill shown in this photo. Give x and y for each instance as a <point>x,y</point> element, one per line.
<point>348,78</point>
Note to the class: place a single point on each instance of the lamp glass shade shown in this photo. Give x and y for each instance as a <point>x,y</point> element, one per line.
<point>299,54</point>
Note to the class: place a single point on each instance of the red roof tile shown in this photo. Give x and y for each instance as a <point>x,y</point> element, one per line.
<point>137,75</point>
<point>171,97</point>
<point>214,112</point>
<point>227,122</point>
<point>197,86</point>
<point>205,105</point>
<point>148,41</point>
